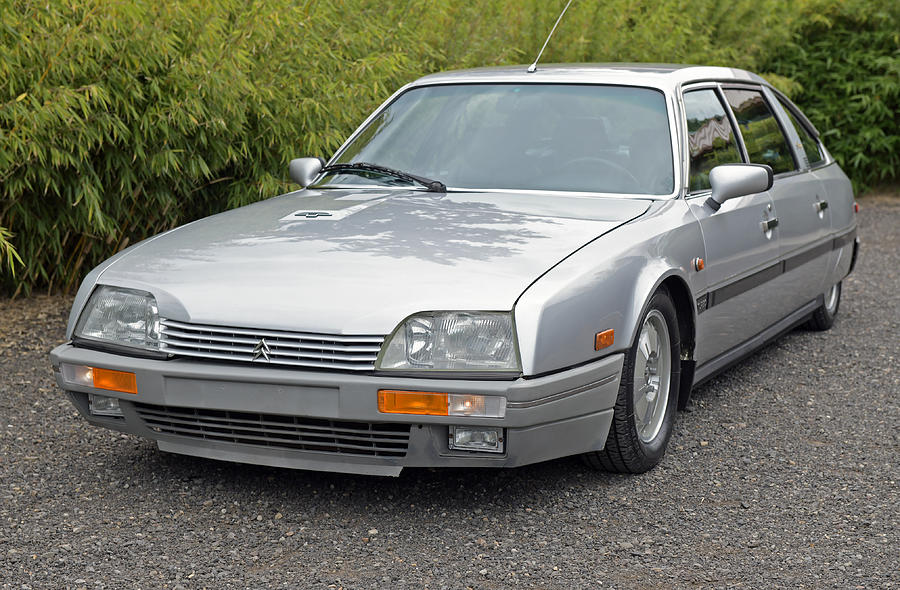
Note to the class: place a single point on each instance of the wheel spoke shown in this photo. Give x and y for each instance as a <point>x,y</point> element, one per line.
<point>653,338</point>
<point>648,414</point>
<point>644,347</point>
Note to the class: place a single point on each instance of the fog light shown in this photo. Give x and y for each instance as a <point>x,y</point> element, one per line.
<point>103,405</point>
<point>475,438</point>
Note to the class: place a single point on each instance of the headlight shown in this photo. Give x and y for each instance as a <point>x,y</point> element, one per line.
<point>452,341</point>
<point>123,317</point>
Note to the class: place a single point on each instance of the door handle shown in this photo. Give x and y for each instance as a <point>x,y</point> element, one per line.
<point>821,205</point>
<point>769,224</point>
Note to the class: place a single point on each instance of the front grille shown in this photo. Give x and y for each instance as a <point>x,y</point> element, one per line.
<point>298,349</point>
<point>279,431</point>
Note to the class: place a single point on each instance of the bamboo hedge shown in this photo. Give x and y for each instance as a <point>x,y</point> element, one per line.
<point>119,120</point>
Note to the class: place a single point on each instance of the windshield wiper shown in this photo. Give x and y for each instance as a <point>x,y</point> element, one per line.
<point>434,186</point>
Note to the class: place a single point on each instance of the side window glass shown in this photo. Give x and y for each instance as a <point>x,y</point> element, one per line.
<point>810,145</point>
<point>763,137</point>
<point>710,136</point>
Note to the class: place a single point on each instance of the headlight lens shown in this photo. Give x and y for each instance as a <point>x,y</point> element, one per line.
<point>452,341</point>
<point>123,317</point>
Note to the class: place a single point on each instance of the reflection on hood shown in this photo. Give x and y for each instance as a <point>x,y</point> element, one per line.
<point>358,262</point>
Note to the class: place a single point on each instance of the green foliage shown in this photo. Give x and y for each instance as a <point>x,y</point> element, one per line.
<point>845,64</point>
<point>119,120</point>
<point>8,255</point>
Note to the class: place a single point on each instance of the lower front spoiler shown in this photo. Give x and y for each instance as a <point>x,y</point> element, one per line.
<point>329,422</point>
<point>428,445</point>
<point>532,445</point>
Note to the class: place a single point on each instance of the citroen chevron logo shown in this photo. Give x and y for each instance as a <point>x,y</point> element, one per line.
<point>261,350</point>
<point>312,214</point>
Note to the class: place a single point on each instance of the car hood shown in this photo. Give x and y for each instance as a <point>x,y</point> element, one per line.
<point>357,262</point>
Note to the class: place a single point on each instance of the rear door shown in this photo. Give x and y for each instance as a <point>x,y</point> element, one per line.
<point>836,195</point>
<point>739,254</point>
<point>804,220</point>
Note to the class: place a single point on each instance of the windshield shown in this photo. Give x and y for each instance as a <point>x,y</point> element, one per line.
<point>558,137</point>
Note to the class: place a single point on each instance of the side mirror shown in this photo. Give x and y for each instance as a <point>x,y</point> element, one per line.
<point>304,170</point>
<point>730,181</point>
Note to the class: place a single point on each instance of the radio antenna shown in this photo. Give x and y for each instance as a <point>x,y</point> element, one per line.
<point>533,67</point>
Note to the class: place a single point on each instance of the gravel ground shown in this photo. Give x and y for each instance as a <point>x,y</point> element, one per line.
<point>783,474</point>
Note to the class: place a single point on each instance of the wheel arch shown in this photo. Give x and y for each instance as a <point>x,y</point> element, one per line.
<point>685,310</point>
<point>676,285</point>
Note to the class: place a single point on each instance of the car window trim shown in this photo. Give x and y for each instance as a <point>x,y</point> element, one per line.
<point>685,144</point>
<point>716,87</point>
<point>789,105</point>
<point>798,114</point>
<point>759,88</point>
<point>819,147</point>
<point>794,139</point>
<point>738,135</point>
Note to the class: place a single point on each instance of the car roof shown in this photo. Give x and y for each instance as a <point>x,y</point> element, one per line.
<point>665,76</point>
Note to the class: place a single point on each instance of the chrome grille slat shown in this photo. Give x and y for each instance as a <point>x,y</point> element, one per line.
<point>271,430</point>
<point>300,349</point>
<point>276,351</point>
<point>273,342</point>
<point>365,366</point>
<point>274,333</point>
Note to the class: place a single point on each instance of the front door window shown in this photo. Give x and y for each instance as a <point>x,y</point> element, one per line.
<point>710,136</point>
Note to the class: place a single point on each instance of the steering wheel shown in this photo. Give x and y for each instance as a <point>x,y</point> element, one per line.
<point>617,170</point>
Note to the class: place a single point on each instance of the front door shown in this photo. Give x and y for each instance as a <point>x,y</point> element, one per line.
<point>741,253</point>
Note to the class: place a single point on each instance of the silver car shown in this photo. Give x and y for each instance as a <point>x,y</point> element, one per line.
<point>498,267</point>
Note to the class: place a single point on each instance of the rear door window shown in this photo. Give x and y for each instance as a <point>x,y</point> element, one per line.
<point>811,148</point>
<point>710,136</point>
<point>763,137</point>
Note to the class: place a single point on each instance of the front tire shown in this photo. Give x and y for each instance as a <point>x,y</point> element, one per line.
<point>823,318</point>
<point>648,394</point>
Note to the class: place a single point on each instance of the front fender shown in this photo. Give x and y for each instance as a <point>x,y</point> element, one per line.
<point>605,285</point>
<point>93,277</point>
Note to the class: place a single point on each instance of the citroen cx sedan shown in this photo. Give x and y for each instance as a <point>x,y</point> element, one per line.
<point>499,267</point>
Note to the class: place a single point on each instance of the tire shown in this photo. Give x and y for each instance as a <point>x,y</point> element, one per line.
<point>823,318</point>
<point>637,439</point>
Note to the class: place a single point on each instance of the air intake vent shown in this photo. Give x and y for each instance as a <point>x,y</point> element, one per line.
<point>279,431</point>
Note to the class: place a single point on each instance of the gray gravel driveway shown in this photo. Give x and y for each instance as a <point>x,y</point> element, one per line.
<point>783,474</point>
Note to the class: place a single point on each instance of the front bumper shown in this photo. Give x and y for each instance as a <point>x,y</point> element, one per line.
<point>563,414</point>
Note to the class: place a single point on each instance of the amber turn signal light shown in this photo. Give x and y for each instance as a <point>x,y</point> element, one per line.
<point>604,339</point>
<point>114,380</point>
<point>430,403</point>
<point>412,402</point>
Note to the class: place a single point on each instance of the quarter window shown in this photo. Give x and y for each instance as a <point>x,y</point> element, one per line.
<point>810,145</point>
<point>763,137</point>
<point>710,136</point>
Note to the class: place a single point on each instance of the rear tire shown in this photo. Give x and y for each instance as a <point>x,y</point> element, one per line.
<point>823,318</point>
<point>648,394</point>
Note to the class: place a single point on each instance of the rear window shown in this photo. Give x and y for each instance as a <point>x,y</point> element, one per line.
<point>810,146</point>
<point>763,137</point>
